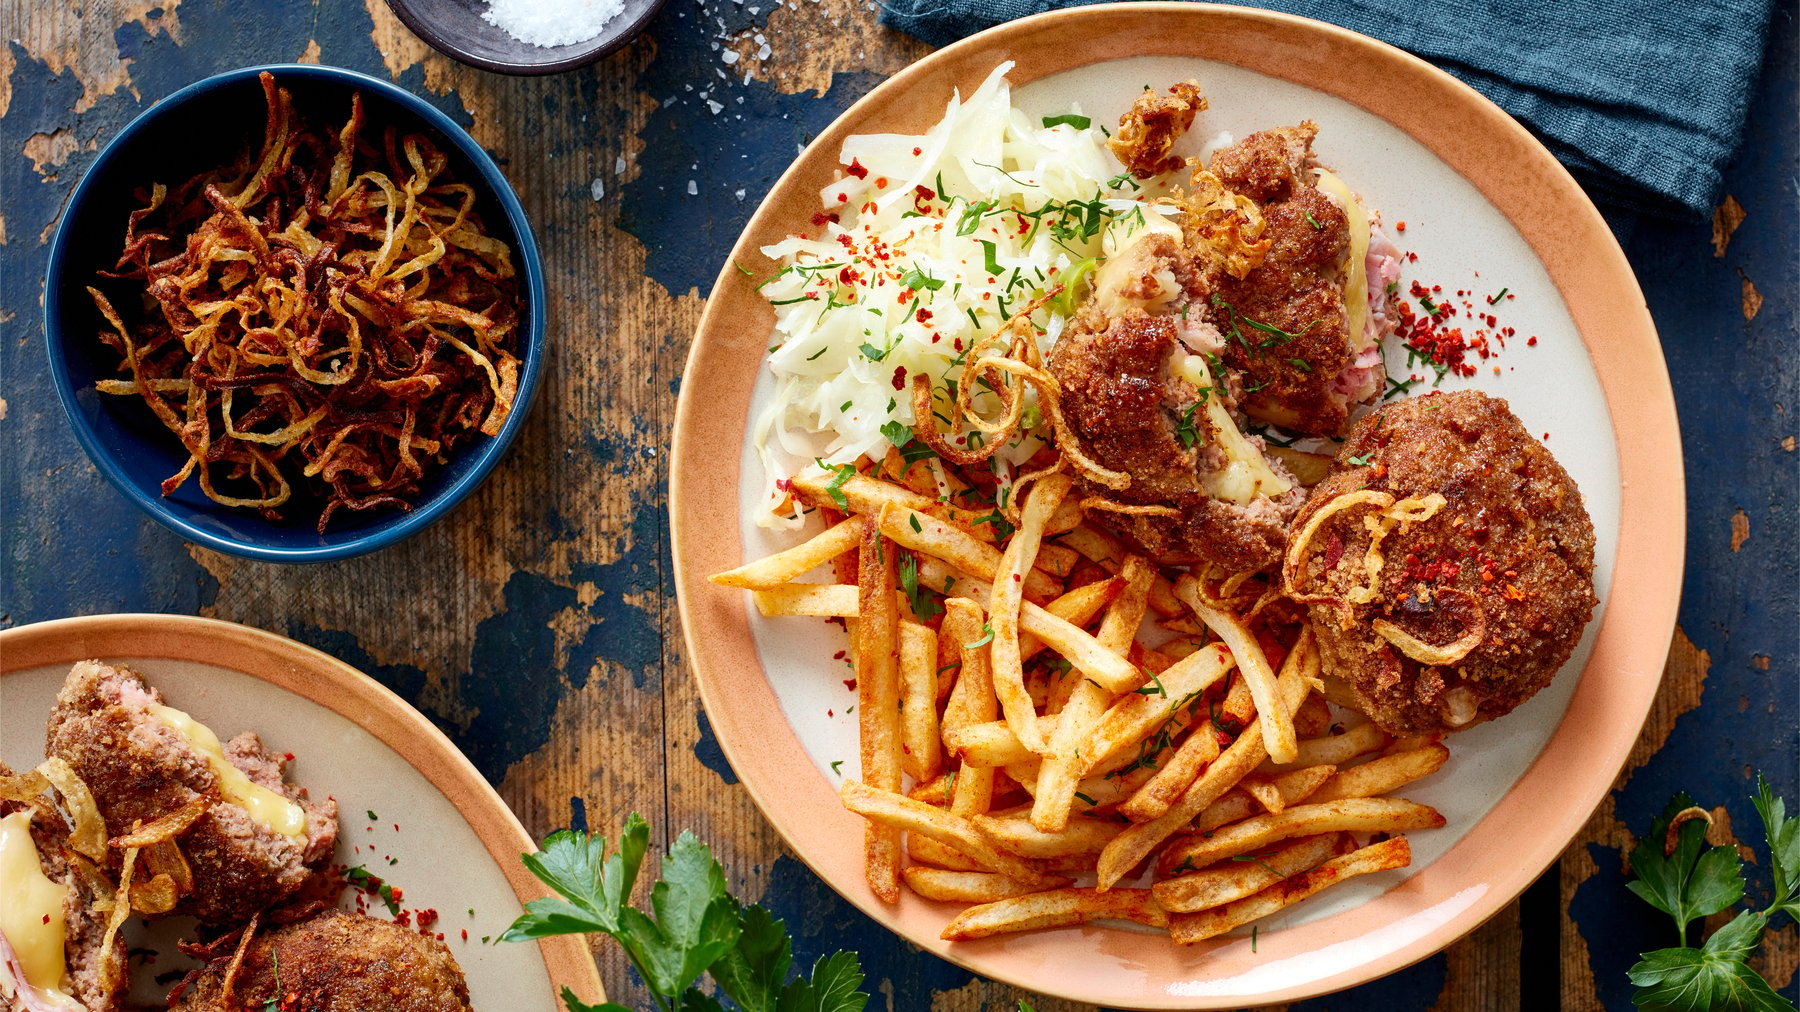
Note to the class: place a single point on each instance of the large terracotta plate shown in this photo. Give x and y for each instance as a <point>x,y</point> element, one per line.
<point>453,844</point>
<point>1485,207</point>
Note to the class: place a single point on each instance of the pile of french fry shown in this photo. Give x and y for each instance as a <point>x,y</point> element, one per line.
<point>1048,748</point>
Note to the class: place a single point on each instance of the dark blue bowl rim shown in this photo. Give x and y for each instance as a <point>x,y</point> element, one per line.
<point>486,455</point>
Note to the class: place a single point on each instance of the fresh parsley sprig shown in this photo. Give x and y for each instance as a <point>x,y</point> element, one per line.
<point>1678,875</point>
<point>698,927</point>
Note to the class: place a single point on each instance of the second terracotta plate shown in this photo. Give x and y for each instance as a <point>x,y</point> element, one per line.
<point>412,810</point>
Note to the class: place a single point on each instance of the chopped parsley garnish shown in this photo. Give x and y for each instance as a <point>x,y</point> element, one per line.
<point>1495,298</point>
<point>873,353</point>
<point>1155,688</point>
<point>840,473</point>
<point>1123,179</point>
<point>1068,119</point>
<point>1186,430</point>
<point>816,354</point>
<point>361,878</point>
<point>989,261</point>
<point>1361,460</point>
<point>1314,222</point>
<point>836,766</point>
<point>987,636</point>
<point>923,604</point>
<point>1084,799</point>
<point>918,280</point>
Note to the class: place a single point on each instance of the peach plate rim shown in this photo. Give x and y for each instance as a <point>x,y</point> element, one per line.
<point>322,679</point>
<point>1495,861</point>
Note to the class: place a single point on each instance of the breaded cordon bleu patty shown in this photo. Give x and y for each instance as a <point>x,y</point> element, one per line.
<point>243,838</point>
<point>336,961</point>
<point>1447,562</point>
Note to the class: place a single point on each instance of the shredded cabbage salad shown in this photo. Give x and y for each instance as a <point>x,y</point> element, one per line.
<point>927,243</point>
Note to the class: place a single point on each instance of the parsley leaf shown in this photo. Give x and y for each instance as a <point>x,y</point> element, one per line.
<point>1714,978</point>
<point>698,927</point>
<point>1075,120</point>
<point>840,473</point>
<point>1360,460</point>
<point>987,636</point>
<point>924,606</point>
<point>1783,836</point>
<point>1685,884</point>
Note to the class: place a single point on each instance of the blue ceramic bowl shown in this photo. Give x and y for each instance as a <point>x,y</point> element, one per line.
<point>205,125</point>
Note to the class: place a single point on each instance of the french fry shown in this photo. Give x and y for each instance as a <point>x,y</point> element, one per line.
<point>1212,887</point>
<point>864,494</point>
<point>1053,630</point>
<point>1062,770</point>
<point>1056,908</point>
<point>1109,553</point>
<point>941,855</point>
<point>1313,719</point>
<point>878,699</point>
<point>1237,804</point>
<point>783,567</point>
<point>1239,705</point>
<point>940,539</point>
<point>1066,518</point>
<point>1277,722</point>
<point>972,702</point>
<point>1384,856</point>
<point>897,812</point>
<point>989,744</point>
<point>1135,843</point>
<point>1136,716</point>
<point>1003,610</point>
<point>1057,560</point>
<point>935,791</point>
<point>809,600</point>
<point>1356,815</point>
<point>1338,749</point>
<point>1014,832</point>
<point>921,754</point>
<point>945,885</point>
<point>1174,776</point>
<point>1379,776</point>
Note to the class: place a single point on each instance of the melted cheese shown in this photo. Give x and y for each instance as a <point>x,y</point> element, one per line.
<point>31,916</point>
<point>1356,285</point>
<point>268,808</point>
<point>1246,473</point>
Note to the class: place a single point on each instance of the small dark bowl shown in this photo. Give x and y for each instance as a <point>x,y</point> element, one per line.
<point>457,29</point>
<point>190,131</point>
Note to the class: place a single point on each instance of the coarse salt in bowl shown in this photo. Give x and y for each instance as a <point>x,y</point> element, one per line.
<point>526,36</point>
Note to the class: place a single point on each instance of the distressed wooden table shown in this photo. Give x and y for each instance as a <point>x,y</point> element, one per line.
<point>537,624</point>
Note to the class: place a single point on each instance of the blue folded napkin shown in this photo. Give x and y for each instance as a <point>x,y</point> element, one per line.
<point>1643,100</point>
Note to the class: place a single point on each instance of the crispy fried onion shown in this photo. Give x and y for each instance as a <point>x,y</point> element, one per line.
<point>163,827</point>
<point>1008,375</point>
<point>1222,225</point>
<point>121,904</point>
<point>1096,502</point>
<point>87,830</point>
<point>1390,514</point>
<point>1474,620</point>
<point>237,961</point>
<point>325,320</point>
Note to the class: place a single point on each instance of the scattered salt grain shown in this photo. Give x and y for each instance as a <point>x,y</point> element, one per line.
<point>693,188</point>
<point>597,188</point>
<point>551,23</point>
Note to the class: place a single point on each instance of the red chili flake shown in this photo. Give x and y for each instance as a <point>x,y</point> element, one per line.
<point>1531,342</point>
<point>838,656</point>
<point>922,198</point>
<point>830,713</point>
<point>957,344</point>
<point>880,182</point>
<point>404,918</point>
<point>856,169</point>
<point>465,934</point>
<point>1334,549</point>
<point>923,315</point>
<point>850,683</point>
<point>46,918</point>
<point>820,217</point>
<point>918,151</point>
<point>849,276</point>
<point>1411,257</point>
<point>287,757</point>
<point>1399,226</point>
<point>899,377</point>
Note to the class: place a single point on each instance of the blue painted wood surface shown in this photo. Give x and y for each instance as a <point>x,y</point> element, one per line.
<point>536,624</point>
